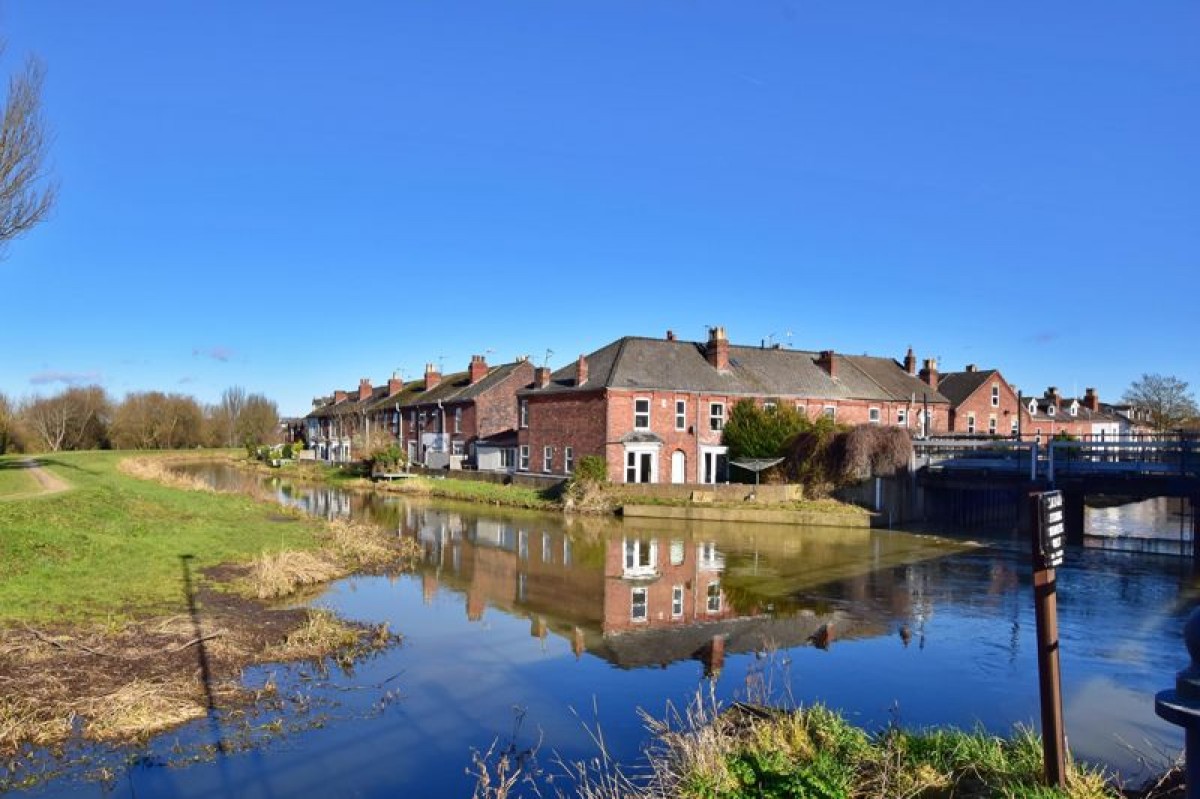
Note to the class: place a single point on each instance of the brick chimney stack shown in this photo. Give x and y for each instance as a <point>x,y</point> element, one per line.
<point>339,396</point>
<point>364,389</point>
<point>972,367</point>
<point>395,384</point>
<point>1053,395</point>
<point>910,362</point>
<point>432,377</point>
<point>929,374</point>
<point>581,371</point>
<point>478,368</point>
<point>828,361</point>
<point>1091,400</point>
<point>541,376</point>
<point>670,335</point>
<point>717,349</point>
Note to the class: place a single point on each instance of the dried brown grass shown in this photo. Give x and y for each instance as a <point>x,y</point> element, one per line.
<point>140,708</point>
<point>323,634</point>
<point>158,470</point>
<point>274,575</point>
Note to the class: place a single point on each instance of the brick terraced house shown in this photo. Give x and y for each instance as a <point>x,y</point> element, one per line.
<point>654,409</point>
<point>983,403</point>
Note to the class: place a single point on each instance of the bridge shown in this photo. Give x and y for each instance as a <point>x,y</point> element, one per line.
<point>1129,468</point>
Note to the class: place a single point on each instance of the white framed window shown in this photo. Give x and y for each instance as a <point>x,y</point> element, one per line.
<point>716,416</point>
<point>714,598</point>
<point>970,422</point>
<point>902,417</point>
<point>1074,408</point>
<point>676,551</point>
<point>991,424</point>
<point>677,601</point>
<point>708,558</point>
<point>1014,426</point>
<point>568,460</point>
<point>523,544</point>
<point>524,457</point>
<point>873,415</point>
<point>770,405</point>
<point>641,413</point>
<point>547,549</point>
<point>456,447</point>
<point>1033,407</point>
<point>680,414</point>
<point>641,557</point>
<point>830,411</point>
<point>458,420</point>
<point>506,458</point>
<point>412,419</point>
<point>547,459</point>
<point>995,395</point>
<point>523,411</point>
<point>639,605</point>
<point>1050,409</point>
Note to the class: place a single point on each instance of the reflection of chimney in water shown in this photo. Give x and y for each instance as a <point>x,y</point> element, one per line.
<point>905,634</point>
<point>577,644</point>
<point>713,656</point>
<point>429,587</point>
<point>537,627</point>
<point>823,637</point>
<point>475,604</point>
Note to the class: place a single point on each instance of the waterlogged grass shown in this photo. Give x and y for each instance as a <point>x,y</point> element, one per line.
<point>112,546</point>
<point>15,481</point>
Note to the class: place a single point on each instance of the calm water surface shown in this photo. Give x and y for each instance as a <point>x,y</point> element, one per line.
<point>522,627</point>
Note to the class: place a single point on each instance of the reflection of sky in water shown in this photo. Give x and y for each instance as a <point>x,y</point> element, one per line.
<point>970,660</point>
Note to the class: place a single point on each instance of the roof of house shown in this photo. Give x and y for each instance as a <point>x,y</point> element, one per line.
<point>634,362</point>
<point>959,386</point>
<point>456,387</point>
<point>1063,412</point>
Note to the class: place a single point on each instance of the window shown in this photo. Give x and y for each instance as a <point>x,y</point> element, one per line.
<point>995,395</point>
<point>677,601</point>
<point>641,557</point>
<point>1015,425</point>
<point>716,416</point>
<point>714,597</point>
<point>412,419</point>
<point>566,550</point>
<point>676,551</point>
<point>873,415</point>
<point>458,420</point>
<point>568,460</point>
<point>708,556</point>
<point>506,458</point>
<point>1032,407</point>
<point>547,549</point>
<point>547,459</point>
<point>1074,408</point>
<point>637,605</point>
<point>770,405</point>
<point>524,457</point>
<point>1050,409</point>
<point>970,423</point>
<point>902,417</point>
<point>830,411</point>
<point>991,424</point>
<point>523,544</point>
<point>641,414</point>
<point>523,409</point>
<point>680,414</point>
<point>456,447</point>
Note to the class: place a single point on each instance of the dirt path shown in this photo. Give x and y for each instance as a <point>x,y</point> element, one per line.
<point>48,482</point>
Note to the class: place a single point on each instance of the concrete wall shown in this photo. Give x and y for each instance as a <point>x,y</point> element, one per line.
<point>763,516</point>
<point>499,478</point>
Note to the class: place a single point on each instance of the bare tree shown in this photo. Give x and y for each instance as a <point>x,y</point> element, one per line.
<point>77,418</point>
<point>223,417</point>
<point>154,420</point>
<point>26,195</point>
<point>8,422</point>
<point>258,422</point>
<point>1165,398</point>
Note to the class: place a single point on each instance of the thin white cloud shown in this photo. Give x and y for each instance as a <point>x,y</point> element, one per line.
<point>218,353</point>
<point>50,376</point>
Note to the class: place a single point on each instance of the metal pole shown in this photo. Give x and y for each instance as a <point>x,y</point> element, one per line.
<point>1049,678</point>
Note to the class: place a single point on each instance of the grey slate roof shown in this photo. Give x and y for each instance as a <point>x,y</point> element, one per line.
<point>635,362</point>
<point>958,386</point>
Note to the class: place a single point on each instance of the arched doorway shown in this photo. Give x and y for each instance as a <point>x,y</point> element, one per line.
<point>678,467</point>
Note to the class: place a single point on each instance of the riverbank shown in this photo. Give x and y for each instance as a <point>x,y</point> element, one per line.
<point>132,601</point>
<point>708,751</point>
<point>594,499</point>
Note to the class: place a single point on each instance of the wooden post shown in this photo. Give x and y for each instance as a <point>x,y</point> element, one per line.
<point>1048,525</point>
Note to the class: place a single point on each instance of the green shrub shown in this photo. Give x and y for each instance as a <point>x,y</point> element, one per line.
<point>590,469</point>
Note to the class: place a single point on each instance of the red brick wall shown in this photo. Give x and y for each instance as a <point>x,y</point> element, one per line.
<point>561,420</point>
<point>980,404</point>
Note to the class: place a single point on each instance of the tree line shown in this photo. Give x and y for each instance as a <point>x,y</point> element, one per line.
<point>86,417</point>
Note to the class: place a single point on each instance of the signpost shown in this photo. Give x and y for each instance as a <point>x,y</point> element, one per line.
<point>1048,540</point>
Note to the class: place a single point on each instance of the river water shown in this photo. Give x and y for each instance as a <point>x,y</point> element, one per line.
<point>532,630</point>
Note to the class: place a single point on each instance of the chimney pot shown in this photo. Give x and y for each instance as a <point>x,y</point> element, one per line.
<point>478,369</point>
<point>929,374</point>
<point>716,352</point>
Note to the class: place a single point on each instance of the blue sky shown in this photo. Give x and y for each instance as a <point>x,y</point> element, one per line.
<point>291,196</point>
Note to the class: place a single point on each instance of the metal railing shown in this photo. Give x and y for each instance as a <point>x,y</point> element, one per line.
<point>1159,457</point>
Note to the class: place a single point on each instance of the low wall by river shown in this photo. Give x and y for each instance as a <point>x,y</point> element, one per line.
<point>725,492</point>
<point>752,515</point>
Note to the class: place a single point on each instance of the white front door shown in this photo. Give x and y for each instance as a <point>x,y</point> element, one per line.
<point>641,465</point>
<point>714,465</point>
<point>678,467</point>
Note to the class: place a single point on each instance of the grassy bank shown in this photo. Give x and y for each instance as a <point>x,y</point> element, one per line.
<point>112,546</point>
<point>15,480</point>
<point>750,750</point>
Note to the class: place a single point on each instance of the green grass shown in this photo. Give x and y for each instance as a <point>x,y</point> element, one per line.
<point>15,481</point>
<point>111,547</point>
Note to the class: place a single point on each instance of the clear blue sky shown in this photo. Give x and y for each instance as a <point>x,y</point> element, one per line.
<point>290,196</point>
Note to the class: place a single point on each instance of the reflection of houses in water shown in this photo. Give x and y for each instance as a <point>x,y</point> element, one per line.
<point>639,600</point>
<point>329,503</point>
